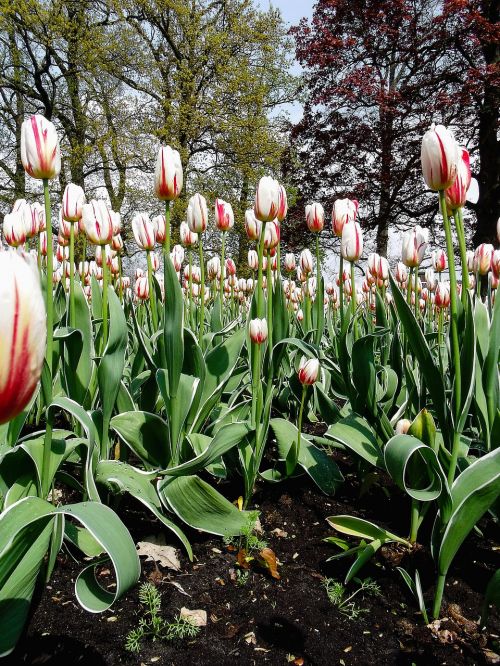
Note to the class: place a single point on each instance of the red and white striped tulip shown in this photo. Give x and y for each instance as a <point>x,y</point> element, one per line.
<point>315,217</point>
<point>144,231</point>
<point>482,258</point>
<point>32,218</point>
<point>72,203</point>
<point>117,243</point>
<point>414,245</point>
<point>197,214</point>
<point>155,262</point>
<point>40,152</point>
<point>306,261</point>
<point>142,288</point>
<point>271,235</point>
<point>253,260</point>
<point>352,241</point>
<point>188,237</point>
<point>213,268</point>
<point>98,222</point>
<point>161,228</point>
<point>14,228</point>
<point>442,295</point>
<point>308,371</point>
<point>177,257</point>
<point>439,261</point>
<point>456,194</point>
<point>258,330</point>
<point>283,204</point>
<point>224,216</point>
<point>344,210</point>
<point>230,267</point>
<point>267,199</point>
<point>23,332</point>
<point>253,226</point>
<point>168,179</point>
<point>430,279</point>
<point>439,157</point>
<point>495,263</point>
<point>290,262</point>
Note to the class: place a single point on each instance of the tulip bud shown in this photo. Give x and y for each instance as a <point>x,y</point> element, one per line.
<point>197,214</point>
<point>401,273</point>
<point>142,288</point>
<point>98,222</point>
<point>289,262</point>
<point>213,268</point>
<point>414,245</point>
<point>382,268</point>
<point>315,217</point>
<point>308,371</point>
<point>283,204</point>
<point>14,229</point>
<point>482,258</point>
<point>73,200</point>
<point>456,194</point>
<point>40,153</point>
<point>439,261</point>
<point>177,257</point>
<point>32,219</point>
<point>168,178</point>
<point>230,267</point>
<point>344,210</point>
<point>402,426</point>
<point>155,262</point>
<point>300,315</point>
<point>258,330</point>
<point>253,260</point>
<point>117,243</point>
<point>495,263</point>
<point>306,261</point>
<point>352,242</point>
<point>271,235</point>
<point>470,260</point>
<point>439,157</point>
<point>267,199</point>
<point>430,279</point>
<point>442,295</point>
<point>144,231</point>
<point>23,332</point>
<point>116,220</point>
<point>224,216</point>
<point>160,228</point>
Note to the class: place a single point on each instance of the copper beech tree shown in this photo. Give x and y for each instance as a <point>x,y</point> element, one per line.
<point>376,71</point>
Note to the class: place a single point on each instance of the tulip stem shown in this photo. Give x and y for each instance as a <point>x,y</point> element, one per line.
<point>50,268</point>
<point>104,299</point>
<point>269,315</point>
<point>152,295</point>
<point>295,449</point>
<point>202,293</point>
<point>72,275</point>
<point>353,299</point>
<point>341,290</point>
<point>438,598</point>
<point>166,245</point>
<point>222,271</point>
<point>319,293</point>
<point>459,224</point>
<point>457,383</point>
<point>190,287</point>
<point>260,304</point>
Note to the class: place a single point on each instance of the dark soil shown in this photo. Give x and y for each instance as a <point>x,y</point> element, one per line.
<point>281,621</point>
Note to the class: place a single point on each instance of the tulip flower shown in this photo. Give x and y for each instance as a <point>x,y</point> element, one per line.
<point>308,371</point>
<point>117,243</point>
<point>22,332</point>
<point>32,216</point>
<point>197,214</point>
<point>253,260</point>
<point>306,261</point>
<point>144,231</point>
<point>482,258</point>
<point>73,200</point>
<point>352,242</point>
<point>430,279</point>
<point>289,262</point>
<point>268,198</point>
<point>402,426</point>
<point>271,235</point>
<point>258,330</point>
<point>414,245</point>
<point>230,267</point>
<point>188,238</point>
<point>168,179</point>
<point>401,273</point>
<point>142,288</point>
<point>344,210</point>
<point>40,153</point>
<point>253,226</point>
<point>439,261</point>
<point>14,229</point>
<point>213,268</point>
<point>224,216</point>
<point>442,295</point>
<point>495,263</point>
<point>97,222</point>
<point>283,204</point>
<point>315,217</point>
<point>456,194</point>
<point>440,157</point>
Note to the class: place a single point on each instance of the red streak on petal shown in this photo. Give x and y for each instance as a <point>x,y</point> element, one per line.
<point>38,142</point>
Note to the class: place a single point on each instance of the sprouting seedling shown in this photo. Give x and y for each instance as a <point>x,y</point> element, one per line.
<point>336,592</point>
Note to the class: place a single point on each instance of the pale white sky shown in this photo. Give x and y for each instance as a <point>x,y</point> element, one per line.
<point>292,10</point>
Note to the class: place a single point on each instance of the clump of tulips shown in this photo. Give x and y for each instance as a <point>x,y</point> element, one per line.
<point>187,367</point>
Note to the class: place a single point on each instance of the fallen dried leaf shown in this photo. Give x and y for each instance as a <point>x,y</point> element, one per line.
<point>250,638</point>
<point>155,549</point>
<point>269,560</point>
<point>279,532</point>
<point>178,586</point>
<point>196,617</point>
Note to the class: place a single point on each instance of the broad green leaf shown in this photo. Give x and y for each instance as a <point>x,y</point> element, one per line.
<point>472,494</point>
<point>113,361</point>
<point>202,507</point>
<point>322,469</point>
<point>355,433</point>
<point>490,369</point>
<point>173,327</point>
<point>363,529</point>
<point>146,434</point>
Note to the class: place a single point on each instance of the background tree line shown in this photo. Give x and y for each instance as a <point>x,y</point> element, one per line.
<point>211,78</point>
